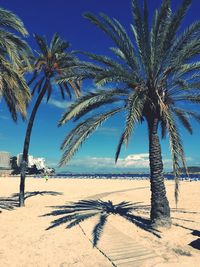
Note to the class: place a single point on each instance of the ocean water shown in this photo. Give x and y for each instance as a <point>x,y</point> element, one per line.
<point>127,176</point>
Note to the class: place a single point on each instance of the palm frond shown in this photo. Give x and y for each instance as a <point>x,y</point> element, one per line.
<point>118,35</point>
<point>176,150</point>
<point>42,43</point>
<point>183,118</point>
<point>11,21</point>
<point>89,102</point>
<point>14,90</point>
<point>135,109</point>
<point>14,62</point>
<point>194,98</point>
<point>163,128</point>
<point>189,34</point>
<point>49,90</point>
<point>82,132</point>
<point>58,45</point>
<point>141,34</point>
<point>175,23</point>
<point>158,31</point>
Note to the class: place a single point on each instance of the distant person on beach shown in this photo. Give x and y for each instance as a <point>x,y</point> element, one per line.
<point>46,177</point>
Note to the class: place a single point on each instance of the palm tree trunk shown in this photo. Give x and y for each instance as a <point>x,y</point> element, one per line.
<point>160,210</point>
<point>24,162</point>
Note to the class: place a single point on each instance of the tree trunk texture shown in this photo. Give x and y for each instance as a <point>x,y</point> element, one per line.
<point>160,210</point>
<point>24,162</point>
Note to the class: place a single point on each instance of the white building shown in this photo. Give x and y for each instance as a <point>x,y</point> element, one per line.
<point>39,162</point>
<point>4,160</point>
<point>5,168</point>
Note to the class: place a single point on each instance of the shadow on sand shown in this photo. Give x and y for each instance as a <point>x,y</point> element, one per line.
<point>196,243</point>
<point>12,202</point>
<point>76,212</point>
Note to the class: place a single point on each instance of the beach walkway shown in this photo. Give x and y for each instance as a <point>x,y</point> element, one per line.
<point>119,248</point>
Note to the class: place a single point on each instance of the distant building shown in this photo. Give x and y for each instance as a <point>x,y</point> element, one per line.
<point>5,167</point>
<point>39,162</point>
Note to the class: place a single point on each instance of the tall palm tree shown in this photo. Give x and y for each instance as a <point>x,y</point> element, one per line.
<point>158,77</point>
<point>14,61</point>
<point>51,62</point>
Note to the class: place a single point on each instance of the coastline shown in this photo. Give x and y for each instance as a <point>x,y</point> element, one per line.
<point>111,176</point>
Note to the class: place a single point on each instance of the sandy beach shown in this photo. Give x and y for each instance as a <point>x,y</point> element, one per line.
<point>25,242</point>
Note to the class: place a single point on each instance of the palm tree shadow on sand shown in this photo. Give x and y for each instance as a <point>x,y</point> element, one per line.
<point>196,243</point>
<point>77,212</point>
<point>10,203</point>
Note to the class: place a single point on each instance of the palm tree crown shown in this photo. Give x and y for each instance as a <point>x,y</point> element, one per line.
<point>14,61</point>
<point>155,73</point>
<point>51,62</point>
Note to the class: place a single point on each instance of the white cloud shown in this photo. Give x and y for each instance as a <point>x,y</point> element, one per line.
<point>109,131</point>
<point>135,161</point>
<point>3,117</point>
<point>59,104</point>
<point>131,161</point>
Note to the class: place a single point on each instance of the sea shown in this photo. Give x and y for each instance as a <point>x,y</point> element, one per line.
<point>124,176</point>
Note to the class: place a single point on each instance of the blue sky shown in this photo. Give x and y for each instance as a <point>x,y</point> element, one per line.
<point>97,154</point>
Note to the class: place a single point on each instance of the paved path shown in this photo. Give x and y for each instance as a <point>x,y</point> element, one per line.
<point>119,248</point>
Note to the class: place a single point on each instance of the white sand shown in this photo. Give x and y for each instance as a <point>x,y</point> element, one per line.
<point>24,241</point>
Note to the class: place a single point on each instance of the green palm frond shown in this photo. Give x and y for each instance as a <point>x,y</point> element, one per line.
<point>138,28</point>
<point>163,127</point>
<point>91,101</point>
<point>158,31</point>
<point>190,114</point>
<point>82,132</point>
<point>57,44</point>
<point>175,23</point>
<point>191,32</point>
<point>112,76</point>
<point>188,68</point>
<point>11,21</point>
<point>105,60</point>
<point>194,98</point>
<point>14,90</point>
<point>135,108</point>
<point>183,118</point>
<point>17,50</point>
<point>14,62</point>
<point>171,27</point>
<point>113,31</point>
<point>42,43</point>
<point>178,156</point>
<point>194,115</point>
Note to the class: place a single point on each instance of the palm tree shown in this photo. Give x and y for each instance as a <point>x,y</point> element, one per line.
<point>14,61</point>
<point>158,82</point>
<point>51,62</point>
<point>82,210</point>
